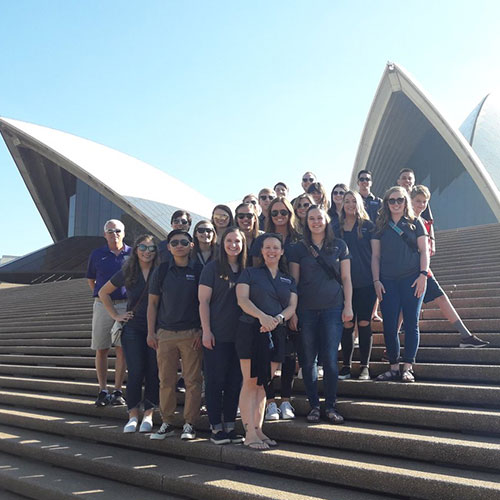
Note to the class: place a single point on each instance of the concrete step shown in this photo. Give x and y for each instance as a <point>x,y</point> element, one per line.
<point>50,350</point>
<point>466,313</point>
<point>34,323</point>
<point>51,360</point>
<point>469,302</point>
<point>60,342</point>
<point>34,479</point>
<point>55,372</point>
<point>440,339</point>
<point>443,325</point>
<point>450,280</point>
<point>81,327</point>
<point>193,480</point>
<point>69,334</point>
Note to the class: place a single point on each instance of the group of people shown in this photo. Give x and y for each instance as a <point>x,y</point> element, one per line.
<point>277,285</point>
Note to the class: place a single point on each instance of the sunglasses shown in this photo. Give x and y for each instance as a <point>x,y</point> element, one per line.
<point>111,231</point>
<point>339,193</point>
<point>304,205</point>
<point>175,243</point>
<point>307,179</point>
<point>143,248</point>
<point>221,217</point>
<point>265,197</point>
<point>202,230</point>
<point>253,202</point>
<point>275,213</point>
<point>364,179</point>
<point>393,201</point>
<point>244,216</point>
<point>180,221</point>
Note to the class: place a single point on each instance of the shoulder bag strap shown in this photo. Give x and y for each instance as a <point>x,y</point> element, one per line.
<point>330,271</point>
<point>403,235</point>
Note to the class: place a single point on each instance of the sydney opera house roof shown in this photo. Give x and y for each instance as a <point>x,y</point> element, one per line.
<point>405,129</point>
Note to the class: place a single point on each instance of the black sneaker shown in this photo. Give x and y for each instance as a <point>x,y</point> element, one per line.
<point>473,341</point>
<point>103,399</point>
<point>117,398</point>
<point>235,437</point>
<point>220,437</point>
<point>164,431</point>
<point>180,386</point>
<point>345,373</point>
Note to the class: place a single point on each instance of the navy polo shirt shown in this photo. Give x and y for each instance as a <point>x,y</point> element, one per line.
<point>133,295</point>
<point>224,309</point>
<point>316,289</point>
<point>255,249</point>
<point>262,222</point>
<point>361,253</point>
<point>397,259</point>
<point>372,206</point>
<point>103,264</point>
<point>179,306</point>
<point>269,295</point>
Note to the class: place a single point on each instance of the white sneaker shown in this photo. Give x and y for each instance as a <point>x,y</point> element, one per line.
<point>299,375</point>
<point>287,411</point>
<point>164,431</point>
<point>272,412</point>
<point>130,426</point>
<point>321,373</point>
<point>146,424</point>
<point>188,432</point>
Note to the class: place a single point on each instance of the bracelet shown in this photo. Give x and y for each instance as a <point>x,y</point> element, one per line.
<point>376,281</point>
<point>424,273</point>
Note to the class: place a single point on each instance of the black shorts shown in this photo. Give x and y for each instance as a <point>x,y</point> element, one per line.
<point>433,290</point>
<point>363,300</point>
<point>247,345</point>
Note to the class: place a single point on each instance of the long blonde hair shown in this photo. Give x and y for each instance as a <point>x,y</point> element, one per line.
<point>384,214</point>
<point>361,215</point>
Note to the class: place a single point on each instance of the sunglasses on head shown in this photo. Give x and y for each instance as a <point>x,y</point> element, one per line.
<point>339,193</point>
<point>244,216</point>
<point>111,231</point>
<point>175,243</point>
<point>180,221</point>
<point>202,230</point>
<point>143,248</point>
<point>307,179</point>
<point>265,197</point>
<point>275,213</point>
<point>364,179</point>
<point>393,201</point>
<point>304,205</point>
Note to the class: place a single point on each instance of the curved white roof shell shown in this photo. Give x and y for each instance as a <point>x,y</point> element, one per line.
<point>405,129</point>
<point>147,194</point>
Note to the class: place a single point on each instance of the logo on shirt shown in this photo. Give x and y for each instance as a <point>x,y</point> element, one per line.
<point>285,280</point>
<point>190,277</point>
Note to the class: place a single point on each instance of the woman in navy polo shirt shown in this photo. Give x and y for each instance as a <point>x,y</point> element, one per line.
<point>247,220</point>
<point>337,197</point>
<point>400,263</point>
<point>321,266</point>
<point>356,230</point>
<point>219,313</point>
<point>267,295</point>
<point>300,206</point>
<point>222,218</point>
<point>141,359</point>
<point>204,240</point>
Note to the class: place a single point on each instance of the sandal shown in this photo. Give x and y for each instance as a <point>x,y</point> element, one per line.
<point>333,416</point>
<point>270,442</point>
<point>257,445</point>
<point>314,415</point>
<point>407,376</point>
<point>388,376</point>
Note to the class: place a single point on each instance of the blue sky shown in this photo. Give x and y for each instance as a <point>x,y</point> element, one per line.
<point>228,96</point>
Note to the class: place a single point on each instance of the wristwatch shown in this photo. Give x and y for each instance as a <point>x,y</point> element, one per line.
<point>425,273</point>
<point>282,318</point>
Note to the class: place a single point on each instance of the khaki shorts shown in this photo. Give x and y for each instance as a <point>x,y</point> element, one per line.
<point>102,323</point>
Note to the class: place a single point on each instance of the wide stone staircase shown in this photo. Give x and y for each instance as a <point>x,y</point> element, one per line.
<point>438,438</point>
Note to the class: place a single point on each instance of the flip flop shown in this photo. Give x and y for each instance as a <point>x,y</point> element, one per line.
<point>257,445</point>
<point>270,442</point>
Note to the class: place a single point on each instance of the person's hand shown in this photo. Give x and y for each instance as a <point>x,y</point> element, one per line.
<point>432,247</point>
<point>347,314</point>
<point>419,284</point>
<point>293,323</point>
<point>208,340</point>
<point>124,317</point>
<point>379,290</point>
<point>268,323</point>
<point>152,341</point>
<point>196,343</point>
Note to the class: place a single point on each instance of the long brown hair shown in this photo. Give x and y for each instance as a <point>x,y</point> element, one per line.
<point>293,234</point>
<point>253,209</point>
<point>196,244</point>
<point>384,214</point>
<point>131,268</point>
<point>223,267</point>
<point>329,234</point>
<point>361,215</point>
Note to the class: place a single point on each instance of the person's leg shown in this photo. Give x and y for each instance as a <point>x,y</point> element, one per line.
<point>287,377</point>
<point>101,366</point>
<point>364,305</point>
<point>260,402</point>
<point>101,342</point>
<point>167,356</point>
<point>120,363</point>
<point>152,383</point>
<point>132,344</point>
<point>215,371</point>
<point>232,386</point>
<point>390,307</point>
<point>309,321</point>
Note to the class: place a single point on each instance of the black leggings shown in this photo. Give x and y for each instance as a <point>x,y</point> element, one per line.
<point>363,300</point>
<point>287,376</point>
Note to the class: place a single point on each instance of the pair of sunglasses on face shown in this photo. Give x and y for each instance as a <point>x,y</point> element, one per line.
<point>364,179</point>
<point>304,205</point>
<point>221,217</point>
<point>175,243</point>
<point>275,213</point>
<point>202,230</point>
<point>244,216</point>
<point>111,231</point>
<point>307,179</point>
<point>143,248</point>
<point>393,201</point>
<point>339,193</point>
<point>180,221</point>
<point>265,197</point>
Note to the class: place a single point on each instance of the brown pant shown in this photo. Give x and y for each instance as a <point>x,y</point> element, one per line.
<point>171,345</point>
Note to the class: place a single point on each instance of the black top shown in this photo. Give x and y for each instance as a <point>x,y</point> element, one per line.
<point>179,306</point>
<point>262,222</point>
<point>372,205</point>
<point>133,295</point>
<point>361,254</point>
<point>316,289</point>
<point>269,295</point>
<point>397,259</point>
<point>224,310</point>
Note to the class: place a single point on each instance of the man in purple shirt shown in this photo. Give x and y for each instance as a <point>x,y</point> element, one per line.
<point>103,263</point>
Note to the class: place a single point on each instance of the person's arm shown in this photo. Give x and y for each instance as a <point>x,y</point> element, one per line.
<point>152,312</point>
<point>105,296</point>
<point>204,297</point>
<point>345,274</point>
<point>293,323</point>
<point>289,310</point>
<point>379,287</point>
<point>91,283</point>
<point>243,295</point>
<point>421,282</point>
<point>432,241</point>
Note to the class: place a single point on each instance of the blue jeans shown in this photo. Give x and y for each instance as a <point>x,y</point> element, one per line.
<point>141,367</point>
<point>222,384</point>
<point>321,332</point>
<point>400,295</point>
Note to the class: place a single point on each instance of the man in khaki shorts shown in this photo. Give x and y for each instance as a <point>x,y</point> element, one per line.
<point>103,263</point>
